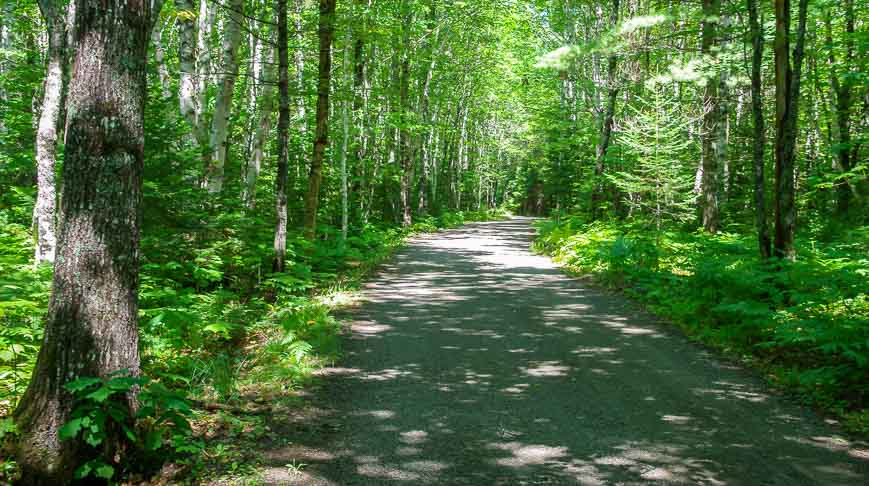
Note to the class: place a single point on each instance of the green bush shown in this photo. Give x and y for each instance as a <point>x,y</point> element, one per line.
<point>159,427</point>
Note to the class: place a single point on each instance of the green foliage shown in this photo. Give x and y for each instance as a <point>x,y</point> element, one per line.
<point>808,320</point>
<point>101,407</point>
<point>24,292</point>
<point>660,182</point>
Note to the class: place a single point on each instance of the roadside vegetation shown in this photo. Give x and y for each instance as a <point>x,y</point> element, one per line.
<point>224,340</point>
<point>805,323</point>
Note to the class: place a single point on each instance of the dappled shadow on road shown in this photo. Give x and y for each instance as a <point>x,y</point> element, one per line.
<point>475,362</point>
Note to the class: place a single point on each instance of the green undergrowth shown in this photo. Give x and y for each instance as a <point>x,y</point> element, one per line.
<point>806,323</point>
<point>216,325</point>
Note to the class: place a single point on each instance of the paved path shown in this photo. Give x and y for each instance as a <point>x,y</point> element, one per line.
<point>474,361</point>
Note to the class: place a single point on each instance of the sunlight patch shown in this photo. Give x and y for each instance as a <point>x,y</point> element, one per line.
<point>414,437</point>
<point>527,455</point>
<point>546,369</point>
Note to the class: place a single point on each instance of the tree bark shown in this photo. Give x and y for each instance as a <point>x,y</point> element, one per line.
<point>606,127</point>
<point>321,137</point>
<point>711,121</point>
<point>763,239</point>
<point>92,324</point>
<point>425,138</point>
<point>787,81</point>
<point>842,92</point>
<point>404,141</point>
<point>360,110</point>
<point>345,123</point>
<point>299,62</point>
<point>215,164</point>
<point>283,140</point>
<point>263,127</point>
<point>188,97</point>
<point>46,133</point>
<point>160,60</point>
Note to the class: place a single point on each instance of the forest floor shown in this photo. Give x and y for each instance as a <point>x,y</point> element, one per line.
<point>473,361</point>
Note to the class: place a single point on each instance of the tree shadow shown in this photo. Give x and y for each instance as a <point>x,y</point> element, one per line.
<point>475,362</point>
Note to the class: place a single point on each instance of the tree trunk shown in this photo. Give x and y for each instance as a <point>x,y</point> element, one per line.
<point>763,239</point>
<point>92,324</point>
<point>424,139</point>
<point>787,81</point>
<point>188,97</point>
<point>46,133</point>
<point>205,24</point>
<point>606,128</point>
<point>321,137</point>
<point>283,140</point>
<point>842,92</point>
<point>404,141</point>
<point>345,123</point>
<point>160,60</point>
<point>263,128</point>
<point>711,121</point>
<point>215,164</point>
<point>299,62</point>
<point>360,111</point>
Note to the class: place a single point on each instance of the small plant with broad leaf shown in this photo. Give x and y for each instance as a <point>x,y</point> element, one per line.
<point>157,428</point>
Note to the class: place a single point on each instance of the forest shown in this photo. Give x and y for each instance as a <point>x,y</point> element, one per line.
<point>191,189</point>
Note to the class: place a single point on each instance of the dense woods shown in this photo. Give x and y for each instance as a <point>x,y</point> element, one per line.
<point>185,188</point>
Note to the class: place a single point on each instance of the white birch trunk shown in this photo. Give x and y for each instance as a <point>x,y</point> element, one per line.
<point>188,86</point>
<point>46,136</point>
<point>301,122</point>
<point>264,126</point>
<point>223,104</point>
<point>160,59</point>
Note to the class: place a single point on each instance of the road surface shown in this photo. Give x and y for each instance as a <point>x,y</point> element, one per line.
<point>474,361</point>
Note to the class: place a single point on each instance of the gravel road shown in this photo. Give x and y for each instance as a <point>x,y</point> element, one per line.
<point>474,361</point>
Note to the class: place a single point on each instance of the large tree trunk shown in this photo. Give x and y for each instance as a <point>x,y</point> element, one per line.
<point>215,164</point>
<point>283,140</point>
<point>606,127</point>
<point>46,132</point>
<point>92,324</point>
<point>787,82</point>
<point>711,120</point>
<point>763,239</point>
<point>321,137</point>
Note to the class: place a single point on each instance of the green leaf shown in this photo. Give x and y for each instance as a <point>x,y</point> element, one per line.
<point>7,427</point>
<point>83,471</point>
<point>105,472</point>
<point>70,429</point>
<point>153,441</point>
<point>101,394</point>
<point>82,384</point>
